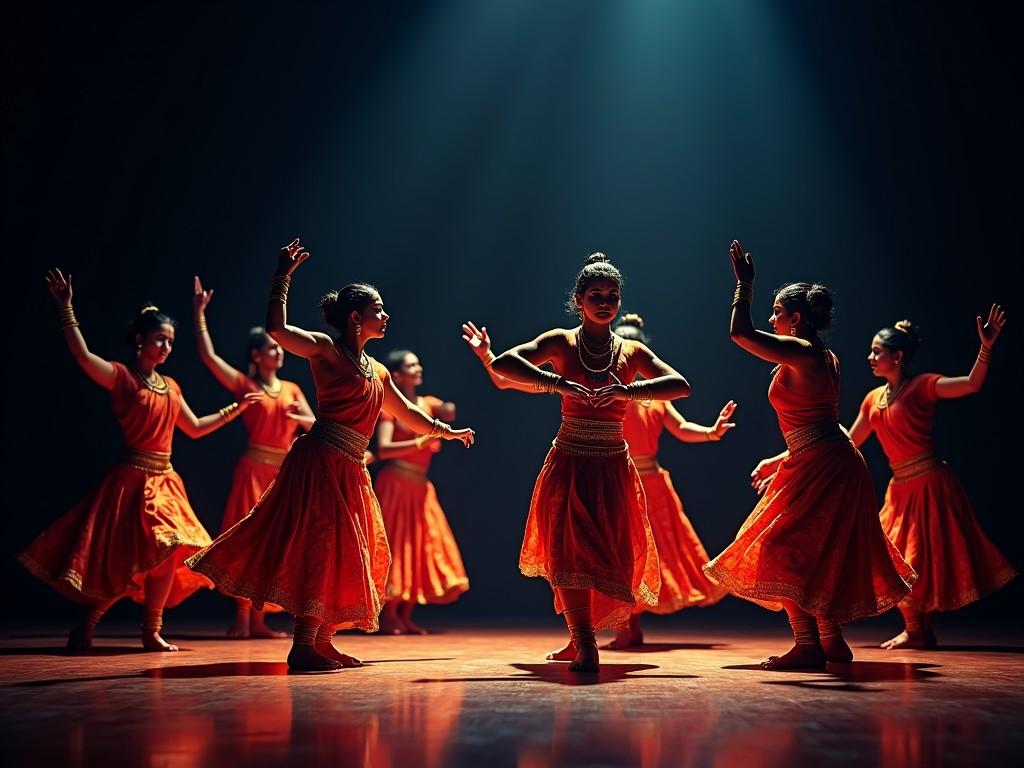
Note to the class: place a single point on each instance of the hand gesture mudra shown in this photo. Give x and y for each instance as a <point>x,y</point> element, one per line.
<point>200,297</point>
<point>742,263</point>
<point>290,256</point>
<point>722,423</point>
<point>988,333</point>
<point>249,398</point>
<point>464,436</point>
<point>477,339</point>
<point>59,287</point>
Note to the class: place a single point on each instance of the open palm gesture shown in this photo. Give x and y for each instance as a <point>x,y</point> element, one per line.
<point>987,332</point>
<point>477,339</point>
<point>59,287</point>
<point>722,423</point>
<point>742,263</point>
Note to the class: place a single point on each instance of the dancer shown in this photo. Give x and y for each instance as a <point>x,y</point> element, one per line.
<point>271,426</point>
<point>426,566</point>
<point>315,543</point>
<point>680,551</point>
<point>926,513</point>
<point>130,535</point>
<point>587,531</point>
<point>813,545</point>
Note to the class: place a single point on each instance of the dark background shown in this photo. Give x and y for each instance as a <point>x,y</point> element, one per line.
<point>465,157</point>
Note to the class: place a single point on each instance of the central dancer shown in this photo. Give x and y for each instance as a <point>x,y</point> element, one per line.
<point>315,543</point>
<point>587,531</point>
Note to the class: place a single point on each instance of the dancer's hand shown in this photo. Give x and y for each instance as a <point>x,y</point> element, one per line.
<point>200,298</point>
<point>368,458</point>
<point>249,398</point>
<point>608,394</point>
<point>464,436</point>
<point>742,263</point>
<point>477,339</point>
<point>761,485</point>
<point>765,469</point>
<point>290,256</point>
<point>59,287</point>
<point>722,423</point>
<point>568,388</point>
<point>988,333</point>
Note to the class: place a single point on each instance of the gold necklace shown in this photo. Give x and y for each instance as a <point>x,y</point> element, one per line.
<point>155,382</point>
<point>271,391</point>
<point>614,345</point>
<point>888,395</point>
<point>362,364</point>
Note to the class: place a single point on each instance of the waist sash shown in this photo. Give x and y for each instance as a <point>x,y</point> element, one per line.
<point>265,454</point>
<point>647,465</point>
<point>913,467</point>
<point>590,438</point>
<point>345,440</point>
<point>802,438</point>
<point>153,462</point>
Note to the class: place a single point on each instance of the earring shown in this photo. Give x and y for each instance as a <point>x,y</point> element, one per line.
<point>359,330</point>
<point>898,362</point>
<point>138,351</point>
<point>792,329</point>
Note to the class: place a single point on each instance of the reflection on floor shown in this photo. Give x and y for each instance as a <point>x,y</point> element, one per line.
<point>485,697</point>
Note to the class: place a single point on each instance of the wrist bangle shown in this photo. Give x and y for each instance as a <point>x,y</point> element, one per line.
<point>201,324</point>
<point>66,316</point>
<point>744,293</point>
<point>279,285</point>
<point>548,382</point>
<point>491,357</point>
<point>984,354</point>
<point>640,390</point>
<point>228,412</point>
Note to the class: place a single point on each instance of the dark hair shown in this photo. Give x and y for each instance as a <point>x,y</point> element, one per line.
<point>631,326</point>
<point>812,300</point>
<point>901,336</point>
<point>148,318</point>
<point>257,338</point>
<point>396,358</point>
<point>335,306</point>
<point>596,267</point>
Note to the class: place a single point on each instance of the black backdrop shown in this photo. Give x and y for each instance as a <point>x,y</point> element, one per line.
<point>465,157</point>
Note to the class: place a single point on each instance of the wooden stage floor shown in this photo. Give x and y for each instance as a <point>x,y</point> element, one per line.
<point>486,697</point>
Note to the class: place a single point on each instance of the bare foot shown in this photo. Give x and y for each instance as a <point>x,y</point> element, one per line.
<point>412,628</point>
<point>917,640</point>
<point>587,659</point>
<point>836,650</point>
<point>258,629</point>
<point>328,650</point>
<point>80,638</point>
<point>566,653</point>
<point>239,630</point>
<point>306,658</point>
<point>152,641</point>
<point>391,625</point>
<point>798,657</point>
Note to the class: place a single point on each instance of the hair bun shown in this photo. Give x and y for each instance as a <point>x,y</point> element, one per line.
<point>906,326</point>
<point>327,303</point>
<point>149,308</point>
<point>597,258</point>
<point>633,319</point>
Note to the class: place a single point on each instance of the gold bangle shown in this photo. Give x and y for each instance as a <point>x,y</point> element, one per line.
<point>744,293</point>
<point>279,285</point>
<point>228,412</point>
<point>640,390</point>
<point>985,355</point>
<point>66,315</point>
<point>489,360</point>
<point>201,325</point>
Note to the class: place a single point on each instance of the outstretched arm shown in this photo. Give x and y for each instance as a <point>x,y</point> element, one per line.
<point>480,343</point>
<point>96,368</point>
<point>291,338</point>
<point>861,429</point>
<point>787,350</point>
<point>688,432</point>
<point>226,375</point>
<point>199,426</point>
<point>389,448</point>
<point>520,365</point>
<point>958,386</point>
<point>418,420</point>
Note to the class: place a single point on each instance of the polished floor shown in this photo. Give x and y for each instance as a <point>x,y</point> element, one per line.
<point>485,697</point>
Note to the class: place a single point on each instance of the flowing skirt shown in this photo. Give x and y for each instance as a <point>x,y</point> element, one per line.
<point>814,539</point>
<point>680,551</point>
<point>588,529</point>
<point>314,544</point>
<point>930,521</point>
<point>426,566</point>
<point>128,526</point>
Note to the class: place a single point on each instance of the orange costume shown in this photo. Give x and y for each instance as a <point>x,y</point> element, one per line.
<point>680,551</point>
<point>271,432</point>
<point>135,519</point>
<point>814,536</point>
<point>587,527</point>
<point>927,514</point>
<point>314,544</point>
<point>426,566</point>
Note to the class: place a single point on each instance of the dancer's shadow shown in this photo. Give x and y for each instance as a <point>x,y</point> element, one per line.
<point>665,647</point>
<point>559,674</point>
<point>854,677</point>
<point>60,650</point>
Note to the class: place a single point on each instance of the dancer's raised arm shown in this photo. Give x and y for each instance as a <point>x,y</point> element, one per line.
<point>226,375</point>
<point>948,387</point>
<point>521,365</point>
<point>480,343</point>
<point>96,368</point>
<point>294,339</point>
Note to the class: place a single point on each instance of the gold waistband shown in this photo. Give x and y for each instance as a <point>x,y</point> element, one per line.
<point>802,438</point>
<point>148,461</point>
<point>589,437</point>
<point>349,443</point>
<point>407,468</point>
<point>266,454</point>
<point>647,465</point>
<point>914,467</point>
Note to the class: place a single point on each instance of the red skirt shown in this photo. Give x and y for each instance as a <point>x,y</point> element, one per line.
<point>250,481</point>
<point>130,524</point>
<point>680,551</point>
<point>314,544</point>
<point>588,529</point>
<point>426,566</point>
<point>930,520</point>
<point>814,539</point>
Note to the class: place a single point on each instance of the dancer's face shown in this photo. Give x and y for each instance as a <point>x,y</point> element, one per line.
<point>269,357</point>
<point>410,372</point>
<point>883,361</point>
<point>782,322</point>
<point>600,301</point>
<point>374,319</point>
<point>156,345</point>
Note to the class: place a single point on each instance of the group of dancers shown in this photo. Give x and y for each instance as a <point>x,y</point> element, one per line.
<point>305,532</point>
